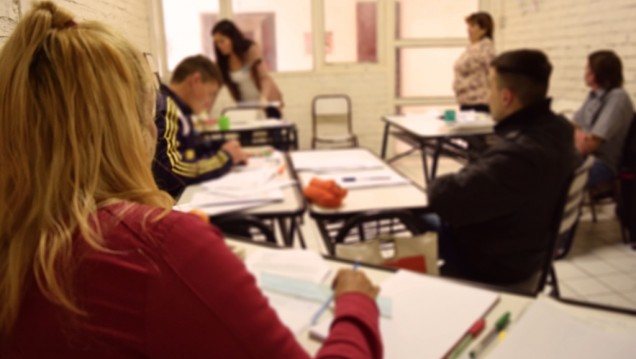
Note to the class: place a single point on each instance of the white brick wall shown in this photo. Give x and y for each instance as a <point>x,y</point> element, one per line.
<point>129,17</point>
<point>568,30</point>
<point>9,13</point>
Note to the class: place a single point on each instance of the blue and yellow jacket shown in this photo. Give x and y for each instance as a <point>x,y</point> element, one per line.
<point>180,159</point>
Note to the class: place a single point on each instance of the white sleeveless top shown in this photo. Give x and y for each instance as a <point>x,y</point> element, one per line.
<point>247,88</point>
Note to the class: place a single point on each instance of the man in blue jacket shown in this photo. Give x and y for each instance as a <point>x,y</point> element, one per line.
<point>497,210</point>
<point>180,159</point>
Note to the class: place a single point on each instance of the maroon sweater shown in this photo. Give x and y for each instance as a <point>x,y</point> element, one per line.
<point>172,289</point>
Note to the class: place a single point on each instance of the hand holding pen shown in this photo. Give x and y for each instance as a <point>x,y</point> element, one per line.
<point>352,280</point>
<point>348,281</point>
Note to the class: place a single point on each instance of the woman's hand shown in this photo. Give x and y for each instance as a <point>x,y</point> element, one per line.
<point>354,281</point>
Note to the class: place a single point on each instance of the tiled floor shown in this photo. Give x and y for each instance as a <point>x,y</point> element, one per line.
<point>599,268</point>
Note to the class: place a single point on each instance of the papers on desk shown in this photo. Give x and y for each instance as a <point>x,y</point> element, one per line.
<point>298,264</point>
<point>430,314</point>
<point>470,122</point>
<point>304,267</point>
<point>364,179</point>
<point>252,186</point>
<point>547,331</point>
<point>315,161</point>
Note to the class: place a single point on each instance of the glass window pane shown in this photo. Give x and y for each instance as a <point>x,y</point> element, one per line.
<point>351,31</point>
<point>433,19</point>
<point>426,71</point>
<point>187,26</point>
<point>282,28</point>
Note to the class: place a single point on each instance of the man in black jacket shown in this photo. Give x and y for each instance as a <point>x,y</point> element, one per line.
<point>497,209</point>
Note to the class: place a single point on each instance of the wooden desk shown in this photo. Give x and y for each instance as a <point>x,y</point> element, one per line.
<point>284,213</point>
<point>426,131</point>
<point>408,196</point>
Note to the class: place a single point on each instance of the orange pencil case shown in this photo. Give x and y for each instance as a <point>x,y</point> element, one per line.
<point>325,193</point>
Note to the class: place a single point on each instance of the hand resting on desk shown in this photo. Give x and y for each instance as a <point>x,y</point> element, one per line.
<point>233,147</point>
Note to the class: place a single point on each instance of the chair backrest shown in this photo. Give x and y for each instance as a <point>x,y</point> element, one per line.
<point>373,224</point>
<point>245,226</point>
<point>575,196</point>
<point>333,109</point>
<point>565,217</point>
<point>628,156</point>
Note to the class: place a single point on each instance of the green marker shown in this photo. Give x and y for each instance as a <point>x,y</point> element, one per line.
<point>500,325</point>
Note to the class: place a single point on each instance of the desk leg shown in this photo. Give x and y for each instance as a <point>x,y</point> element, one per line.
<point>324,233</point>
<point>435,159</point>
<point>427,178</point>
<point>295,228</point>
<point>385,139</point>
<point>288,235</point>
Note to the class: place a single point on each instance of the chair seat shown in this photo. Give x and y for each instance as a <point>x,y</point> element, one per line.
<point>335,138</point>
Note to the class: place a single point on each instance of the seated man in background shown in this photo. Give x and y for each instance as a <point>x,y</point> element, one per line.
<point>497,210</point>
<point>602,123</point>
<point>180,160</point>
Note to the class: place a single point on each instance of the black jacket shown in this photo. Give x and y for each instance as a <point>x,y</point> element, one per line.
<point>499,207</point>
<point>180,160</point>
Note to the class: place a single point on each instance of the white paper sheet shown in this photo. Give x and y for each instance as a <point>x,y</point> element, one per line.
<point>298,264</point>
<point>546,331</point>
<point>430,314</point>
<point>365,179</point>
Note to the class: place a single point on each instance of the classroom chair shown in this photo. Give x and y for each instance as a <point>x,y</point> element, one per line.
<point>245,227</point>
<point>331,120</point>
<point>368,225</point>
<point>564,224</point>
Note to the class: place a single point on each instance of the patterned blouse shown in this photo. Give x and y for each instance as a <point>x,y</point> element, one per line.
<point>471,73</point>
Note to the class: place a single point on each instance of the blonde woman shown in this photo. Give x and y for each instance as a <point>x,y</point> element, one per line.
<point>93,264</point>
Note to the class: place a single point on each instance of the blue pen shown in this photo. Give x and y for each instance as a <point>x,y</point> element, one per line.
<point>327,303</point>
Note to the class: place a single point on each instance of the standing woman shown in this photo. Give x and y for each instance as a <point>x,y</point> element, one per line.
<point>471,69</point>
<point>243,70</point>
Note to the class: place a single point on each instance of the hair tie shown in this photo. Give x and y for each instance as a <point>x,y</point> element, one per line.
<point>68,24</point>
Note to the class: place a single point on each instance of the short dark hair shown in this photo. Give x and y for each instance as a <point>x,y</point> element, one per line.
<point>193,64</point>
<point>483,20</point>
<point>525,72</point>
<point>607,68</point>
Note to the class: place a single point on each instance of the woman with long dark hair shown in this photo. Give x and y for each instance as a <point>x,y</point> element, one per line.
<point>242,67</point>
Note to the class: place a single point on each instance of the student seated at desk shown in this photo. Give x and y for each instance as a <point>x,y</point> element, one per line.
<point>602,123</point>
<point>498,208</point>
<point>93,263</point>
<point>181,160</point>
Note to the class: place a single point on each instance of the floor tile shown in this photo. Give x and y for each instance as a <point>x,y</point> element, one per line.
<point>567,270</point>
<point>618,282</point>
<point>611,299</point>
<point>595,267</point>
<point>587,286</point>
<point>631,296</point>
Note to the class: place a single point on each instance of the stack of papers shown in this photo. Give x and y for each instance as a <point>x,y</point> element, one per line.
<point>314,161</point>
<point>254,185</point>
<point>547,331</point>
